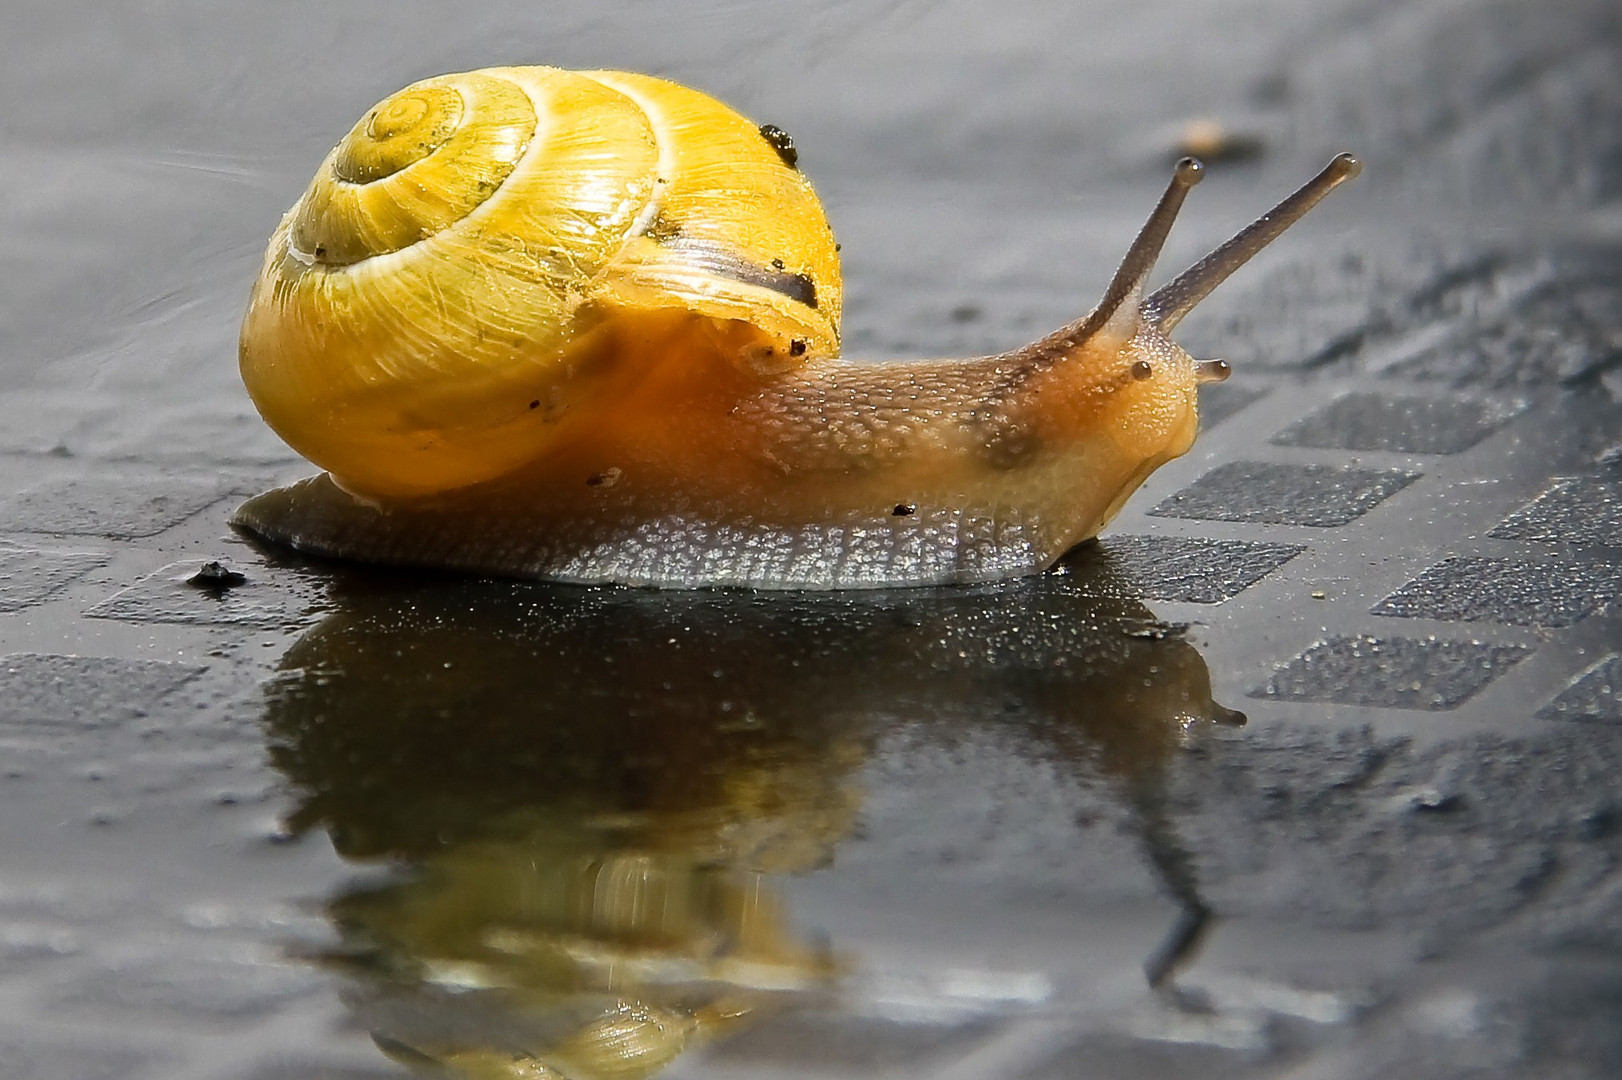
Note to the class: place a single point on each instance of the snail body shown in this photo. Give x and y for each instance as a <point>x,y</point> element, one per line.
<point>585,327</point>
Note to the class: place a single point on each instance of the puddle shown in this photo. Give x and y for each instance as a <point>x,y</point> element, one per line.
<point>593,799</point>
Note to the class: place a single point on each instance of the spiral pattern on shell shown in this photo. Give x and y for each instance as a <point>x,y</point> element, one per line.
<point>437,168</point>
<point>485,257</point>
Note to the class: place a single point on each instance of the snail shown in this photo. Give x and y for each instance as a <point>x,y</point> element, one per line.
<point>584,326</point>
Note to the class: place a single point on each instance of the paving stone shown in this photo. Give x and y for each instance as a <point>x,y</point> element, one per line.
<point>1310,311</point>
<point>25,945</point>
<point>1412,425</point>
<point>1581,510</point>
<point>1391,672</point>
<point>1522,592</point>
<point>191,989</point>
<point>1565,332</point>
<point>1595,695</point>
<point>305,1070</point>
<point>859,1046</point>
<point>37,1060</point>
<point>29,577</point>
<point>1284,494</point>
<point>1219,401</point>
<point>121,507</point>
<point>53,903</point>
<point>1110,1056</point>
<point>1194,570</point>
<point>1457,289</point>
<point>52,692</point>
<point>263,600</point>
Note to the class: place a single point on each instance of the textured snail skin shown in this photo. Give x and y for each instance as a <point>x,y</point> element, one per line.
<point>614,358</point>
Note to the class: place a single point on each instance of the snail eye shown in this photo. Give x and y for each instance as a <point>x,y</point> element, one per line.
<point>1143,370</point>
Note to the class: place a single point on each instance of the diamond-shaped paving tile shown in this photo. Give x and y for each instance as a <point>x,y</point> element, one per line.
<point>29,944</point>
<point>29,577</point>
<point>1566,330</point>
<point>123,507</point>
<point>265,599</point>
<point>1581,510</point>
<point>1413,425</point>
<point>52,691</point>
<point>1194,570</point>
<point>1219,401</point>
<point>1595,695</point>
<point>1282,494</point>
<point>189,988</point>
<point>28,1058</point>
<point>294,1068</point>
<point>1311,310</point>
<point>848,1045</point>
<point>1390,672</point>
<point>1518,591</point>
<point>1108,1055</point>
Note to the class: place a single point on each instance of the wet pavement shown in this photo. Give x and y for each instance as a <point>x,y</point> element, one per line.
<point>321,822</point>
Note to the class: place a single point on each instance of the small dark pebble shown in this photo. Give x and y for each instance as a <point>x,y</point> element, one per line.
<point>904,509</point>
<point>1432,801</point>
<point>216,575</point>
<point>796,347</point>
<point>782,143</point>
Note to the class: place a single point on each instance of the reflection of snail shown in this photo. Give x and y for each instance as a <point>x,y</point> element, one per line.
<point>596,950</point>
<point>585,326</point>
<point>598,862</point>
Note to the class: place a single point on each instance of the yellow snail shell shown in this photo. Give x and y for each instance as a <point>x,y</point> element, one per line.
<point>584,326</point>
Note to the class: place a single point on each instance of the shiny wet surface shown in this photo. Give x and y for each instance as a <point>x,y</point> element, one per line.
<point>325,822</point>
<point>605,851</point>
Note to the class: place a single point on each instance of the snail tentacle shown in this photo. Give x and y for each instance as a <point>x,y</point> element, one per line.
<point>1172,301</point>
<point>1117,314</point>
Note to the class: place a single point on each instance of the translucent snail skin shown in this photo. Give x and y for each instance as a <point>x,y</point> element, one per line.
<point>584,326</point>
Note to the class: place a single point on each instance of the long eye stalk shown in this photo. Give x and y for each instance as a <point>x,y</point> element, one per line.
<point>1167,306</point>
<point>1121,299</point>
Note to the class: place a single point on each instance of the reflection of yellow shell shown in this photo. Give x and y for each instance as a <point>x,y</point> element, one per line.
<point>453,289</point>
<point>622,938</point>
<point>630,957</point>
<point>631,1041</point>
<point>634,1040</point>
